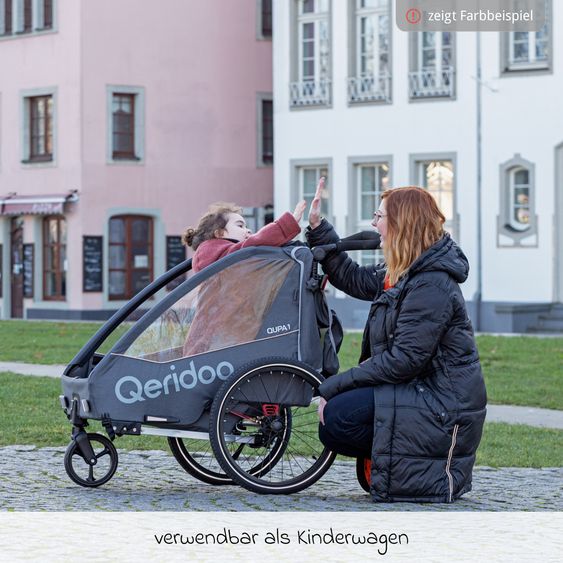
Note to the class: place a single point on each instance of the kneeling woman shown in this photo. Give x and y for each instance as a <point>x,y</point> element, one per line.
<point>416,402</point>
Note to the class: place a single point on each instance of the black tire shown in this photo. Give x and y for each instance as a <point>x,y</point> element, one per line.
<point>196,457</point>
<point>269,406</point>
<point>84,474</point>
<point>361,474</point>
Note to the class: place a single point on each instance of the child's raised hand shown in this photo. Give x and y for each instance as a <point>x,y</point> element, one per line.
<point>315,210</point>
<point>299,210</point>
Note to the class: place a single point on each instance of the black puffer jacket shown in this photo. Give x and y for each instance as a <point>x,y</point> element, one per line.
<point>419,353</point>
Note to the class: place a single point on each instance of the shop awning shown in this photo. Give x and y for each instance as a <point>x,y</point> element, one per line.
<point>36,204</point>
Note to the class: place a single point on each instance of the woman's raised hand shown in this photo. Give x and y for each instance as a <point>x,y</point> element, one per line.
<point>315,210</point>
<point>299,210</point>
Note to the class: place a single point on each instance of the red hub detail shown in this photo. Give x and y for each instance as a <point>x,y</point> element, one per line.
<point>270,410</point>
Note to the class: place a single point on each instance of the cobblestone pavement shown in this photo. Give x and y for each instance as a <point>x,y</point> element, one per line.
<point>34,479</point>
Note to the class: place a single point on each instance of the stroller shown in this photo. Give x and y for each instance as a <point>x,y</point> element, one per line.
<point>226,366</point>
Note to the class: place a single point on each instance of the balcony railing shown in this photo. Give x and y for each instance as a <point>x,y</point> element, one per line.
<point>310,93</point>
<point>369,88</point>
<point>431,84</point>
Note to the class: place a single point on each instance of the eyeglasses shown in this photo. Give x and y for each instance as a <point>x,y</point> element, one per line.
<point>378,215</point>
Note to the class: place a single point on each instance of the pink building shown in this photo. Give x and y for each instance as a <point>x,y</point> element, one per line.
<point>120,121</point>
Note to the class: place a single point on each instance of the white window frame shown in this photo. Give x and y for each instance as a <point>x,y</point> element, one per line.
<point>509,232</point>
<point>509,65</point>
<point>376,86</point>
<point>25,96</point>
<point>418,178</point>
<point>435,81</point>
<point>319,166</point>
<point>314,90</point>
<point>139,134</point>
<point>513,205</point>
<point>355,221</point>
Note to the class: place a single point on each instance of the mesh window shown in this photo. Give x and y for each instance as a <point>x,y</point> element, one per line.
<point>225,310</point>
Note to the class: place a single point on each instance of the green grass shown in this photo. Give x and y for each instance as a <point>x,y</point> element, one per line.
<point>40,342</point>
<point>518,370</point>
<point>523,370</point>
<point>32,415</point>
<point>516,445</point>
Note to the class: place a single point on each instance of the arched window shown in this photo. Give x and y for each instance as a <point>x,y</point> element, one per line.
<point>519,198</point>
<point>517,219</point>
<point>130,255</point>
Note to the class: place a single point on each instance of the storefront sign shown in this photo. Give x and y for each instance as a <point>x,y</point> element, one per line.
<point>175,254</point>
<point>28,252</point>
<point>92,264</point>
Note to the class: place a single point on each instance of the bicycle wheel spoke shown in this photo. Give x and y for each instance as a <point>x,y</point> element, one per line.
<point>283,452</point>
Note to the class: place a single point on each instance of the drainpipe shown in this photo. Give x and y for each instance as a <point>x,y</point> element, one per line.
<point>477,298</point>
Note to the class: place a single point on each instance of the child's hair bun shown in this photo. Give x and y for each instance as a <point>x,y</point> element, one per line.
<point>188,236</point>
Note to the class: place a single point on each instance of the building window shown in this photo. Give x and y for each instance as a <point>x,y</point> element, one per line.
<point>371,180</point>
<point>30,15</point>
<point>523,50</point>
<point>517,219</point>
<point>6,17</point>
<point>54,258</point>
<point>312,86</point>
<point>265,11</point>
<point>38,125</point>
<point>27,25</point>
<point>47,14</point>
<point>432,64</point>
<point>265,130</point>
<point>437,176</point>
<point>130,255</point>
<point>519,194</point>
<point>126,124</point>
<point>308,179</point>
<point>123,126</point>
<point>370,79</point>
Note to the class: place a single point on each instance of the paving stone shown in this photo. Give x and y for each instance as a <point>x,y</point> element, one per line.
<point>34,479</point>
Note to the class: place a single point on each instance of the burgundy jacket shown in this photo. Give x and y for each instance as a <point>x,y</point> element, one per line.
<point>274,234</point>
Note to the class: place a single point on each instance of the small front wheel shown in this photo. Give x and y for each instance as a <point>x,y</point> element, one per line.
<point>84,473</point>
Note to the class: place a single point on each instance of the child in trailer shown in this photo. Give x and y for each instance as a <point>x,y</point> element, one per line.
<point>232,303</point>
<point>222,230</point>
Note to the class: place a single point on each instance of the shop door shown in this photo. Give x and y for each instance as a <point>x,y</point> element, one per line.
<point>17,268</point>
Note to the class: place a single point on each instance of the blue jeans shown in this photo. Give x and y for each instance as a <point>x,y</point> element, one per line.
<point>348,427</point>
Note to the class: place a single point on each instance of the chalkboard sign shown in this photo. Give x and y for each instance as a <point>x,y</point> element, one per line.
<point>175,254</point>
<point>28,270</point>
<point>92,264</point>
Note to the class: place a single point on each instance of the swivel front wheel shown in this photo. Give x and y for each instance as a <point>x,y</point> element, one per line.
<point>96,471</point>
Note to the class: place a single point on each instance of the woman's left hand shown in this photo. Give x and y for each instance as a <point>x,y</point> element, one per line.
<point>320,410</point>
<point>315,210</point>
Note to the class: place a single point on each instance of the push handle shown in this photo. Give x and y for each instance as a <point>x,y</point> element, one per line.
<point>364,240</point>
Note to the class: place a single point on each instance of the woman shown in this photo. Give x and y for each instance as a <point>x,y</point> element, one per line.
<point>415,404</point>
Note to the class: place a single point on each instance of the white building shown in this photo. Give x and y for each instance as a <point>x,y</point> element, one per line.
<point>372,106</point>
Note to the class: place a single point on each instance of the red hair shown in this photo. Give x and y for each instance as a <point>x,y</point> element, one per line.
<point>414,224</point>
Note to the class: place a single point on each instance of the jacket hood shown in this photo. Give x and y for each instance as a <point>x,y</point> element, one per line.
<point>445,256</point>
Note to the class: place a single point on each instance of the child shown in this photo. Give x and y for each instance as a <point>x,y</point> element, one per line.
<point>223,230</point>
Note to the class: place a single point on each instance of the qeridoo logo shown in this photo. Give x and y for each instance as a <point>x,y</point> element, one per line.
<point>130,389</point>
